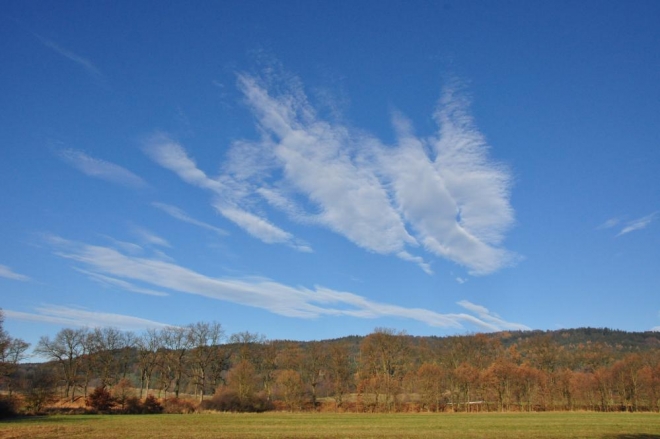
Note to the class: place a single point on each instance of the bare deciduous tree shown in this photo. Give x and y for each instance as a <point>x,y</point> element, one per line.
<point>67,348</point>
<point>105,346</point>
<point>383,357</point>
<point>12,355</point>
<point>148,355</point>
<point>340,372</point>
<point>431,385</point>
<point>314,365</point>
<point>177,344</point>
<point>242,378</point>
<point>205,339</point>
<point>290,387</point>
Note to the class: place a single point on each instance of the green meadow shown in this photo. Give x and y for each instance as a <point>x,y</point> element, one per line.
<point>326,425</point>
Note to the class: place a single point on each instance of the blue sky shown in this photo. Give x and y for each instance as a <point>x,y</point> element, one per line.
<point>311,170</point>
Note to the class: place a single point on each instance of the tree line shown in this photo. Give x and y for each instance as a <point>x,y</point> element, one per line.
<point>385,371</point>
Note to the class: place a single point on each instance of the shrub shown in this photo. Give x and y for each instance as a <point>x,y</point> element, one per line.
<point>8,406</point>
<point>101,400</point>
<point>122,391</point>
<point>39,390</point>
<point>228,401</point>
<point>178,406</point>
<point>151,405</point>
<point>133,406</point>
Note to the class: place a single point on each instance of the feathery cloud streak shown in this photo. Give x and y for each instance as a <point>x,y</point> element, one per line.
<point>171,155</point>
<point>638,224</point>
<point>257,292</point>
<point>78,317</point>
<point>101,169</point>
<point>83,62</point>
<point>491,318</point>
<point>443,193</point>
<point>8,273</point>
<point>444,190</point>
<point>114,282</point>
<point>179,214</point>
<point>610,223</point>
<point>150,238</point>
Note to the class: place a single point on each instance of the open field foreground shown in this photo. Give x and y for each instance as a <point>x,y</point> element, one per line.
<point>280,425</point>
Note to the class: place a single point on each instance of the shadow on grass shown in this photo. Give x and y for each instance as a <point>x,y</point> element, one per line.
<point>45,419</point>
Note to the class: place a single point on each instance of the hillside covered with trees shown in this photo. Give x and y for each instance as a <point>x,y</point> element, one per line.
<point>198,367</point>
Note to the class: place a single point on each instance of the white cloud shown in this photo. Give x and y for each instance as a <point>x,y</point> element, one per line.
<point>172,156</point>
<point>254,225</point>
<point>259,227</point>
<point>8,273</point>
<point>417,260</point>
<point>101,169</point>
<point>150,238</point>
<point>83,62</point>
<point>330,167</point>
<point>638,224</point>
<point>612,222</point>
<point>113,282</point>
<point>491,318</point>
<point>258,292</point>
<point>179,214</point>
<point>445,191</point>
<point>80,317</point>
<point>442,193</point>
<point>128,247</point>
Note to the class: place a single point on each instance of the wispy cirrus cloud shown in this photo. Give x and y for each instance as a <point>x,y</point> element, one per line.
<point>332,168</point>
<point>261,293</point>
<point>80,317</point>
<point>417,260</point>
<point>171,155</point>
<point>441,194</point>
<point>83,62</point>
<point>491,318</point>
<point>128,247</point>
<point>638,224</point>
<point>610,223</point>
<point>101,169</point>
<point>260,227</point>
<point>150,238</point>
<point>179,214</point>
<point>118,283</point>
<point>8,273</point>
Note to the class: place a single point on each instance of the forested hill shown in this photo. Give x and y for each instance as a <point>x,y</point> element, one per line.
<point>622,340</point>
<point>588,368</point>
<point>569,339</point>
<point>615,342</point>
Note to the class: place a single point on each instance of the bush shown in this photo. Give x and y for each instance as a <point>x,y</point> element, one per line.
<point>122,391</point>
<point>228,401</point>
<point>8,407</point>
<point>101,400</point>
<point>133,406</point>
<point>151,405</point>
<point>176,406</point>
<point>39,390</point>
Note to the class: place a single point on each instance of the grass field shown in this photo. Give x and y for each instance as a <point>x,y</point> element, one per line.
<point>280,425</point>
